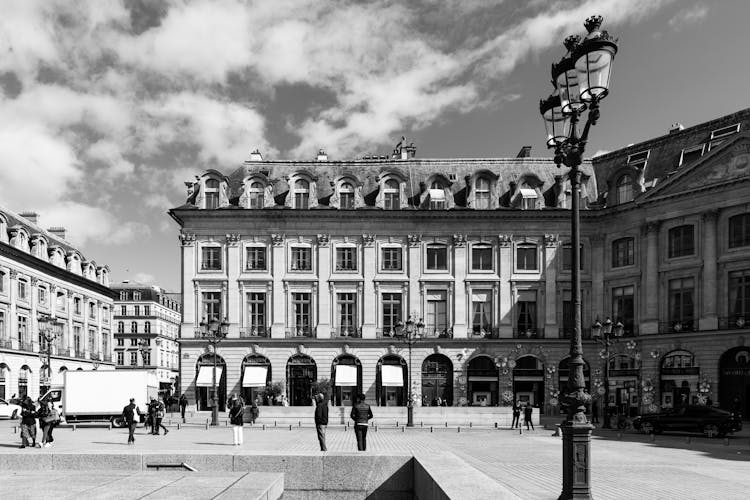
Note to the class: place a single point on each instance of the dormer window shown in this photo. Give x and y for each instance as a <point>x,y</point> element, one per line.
<point>301,194</point>
<point>691,154</point>
<point>255,195</point>
<point>482,194</point>
<point>528,198</point>
<point>212,194</point>
<point>346,196</point>
<point>718,136</point>
<point>638,160</point>
<point>123,295</point>
<point>624,189</point>
<point>437,196</point>
<point>391,192</point>
<point>136,295</point>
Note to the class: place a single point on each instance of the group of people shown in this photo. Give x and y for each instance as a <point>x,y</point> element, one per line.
<point>527,410</point>
<point>37,415</point>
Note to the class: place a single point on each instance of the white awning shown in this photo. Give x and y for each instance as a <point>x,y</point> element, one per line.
<point>392,375</point>
<point>528,193</point>
<point>437,195</point>
<point>205,376</point>
<point>346,375</point>
<point>254,376</point>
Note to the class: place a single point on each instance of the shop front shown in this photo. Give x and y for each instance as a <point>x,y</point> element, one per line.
<point>528,381</point>
<point>204,382</point>
<point>734,380</point>
<point>482,382</point>
<point>678,379</point>
<point>623,385</point>
<point>391,379</point>
<point>346,374</point>
<point>301,371</point>
<point>256,375</point>
<point>437,380</point>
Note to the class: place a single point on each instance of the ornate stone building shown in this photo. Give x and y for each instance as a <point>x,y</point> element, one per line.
<point>315,265</point>
<point>41,276</point>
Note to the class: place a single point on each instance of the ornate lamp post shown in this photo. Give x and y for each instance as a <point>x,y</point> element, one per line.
<point>214,332</point>
<point>581,80</point>
<point>607,336</point>
<point>410,333</point>
<point>50,330</point>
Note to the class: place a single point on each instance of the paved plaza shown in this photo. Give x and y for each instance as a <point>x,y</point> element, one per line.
<point>627,465</point>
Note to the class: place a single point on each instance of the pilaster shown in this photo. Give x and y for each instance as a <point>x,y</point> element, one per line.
<point>279,292</point>
<point>191,316</point>
<point>650,323</point>
<point>415,270</point>
<point>460,268</point>
<point>597,276</point>
<point>505,243</point>
<point>708,318</point>
<point>324,290</point>
<point>369,267</point>
<point>234,297</point>
<point>551,242</point>
<point>12,309</point>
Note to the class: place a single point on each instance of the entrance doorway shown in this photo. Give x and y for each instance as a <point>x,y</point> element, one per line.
<point>301,372</point>
<point>391,381</point>
<point>528,381</point>
<point>483,382</point>
<point>734,380</point>
<point>437,380</point>
<point>204,382</point>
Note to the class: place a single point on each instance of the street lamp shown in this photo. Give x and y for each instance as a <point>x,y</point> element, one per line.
<point>50,329</point>
<point>214,332</point>
<point>410,334</point>
<point>144,346</point>
<point>606,335</point>
<point>581,80</point>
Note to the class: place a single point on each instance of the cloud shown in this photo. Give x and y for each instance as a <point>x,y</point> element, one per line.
<point>144,278</point>
<point>83,223</point>
<point>687,17</point>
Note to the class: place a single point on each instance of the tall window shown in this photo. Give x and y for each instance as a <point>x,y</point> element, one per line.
<point>120,358</point>
<point>347,306</point>
<point>391,192</point>
<point>2,325</point>
<point>211,258</point>
<point>147,327</point>
<point>92,310</point>
<point>526,313</point>
<point>739,230</point>
<point>481,311</point>
<point>77,306</point>
<point>437,196</point>
<point>23,329</point>
<point>133,358</point>
<point>526,257</point>
<point>301,194</point>
<point>437,257</point>
<point>391,260</point>
<point>212,305</point>
<point>391,312</point>
<point>92,341</point>
<point>77,344</point>
<point>42,295</point>
<point>739,296</point>
<point>147,310</point>
<point>346,259</point>
<point>437,313</point>
<point>301,311</point>
<point>481,258</point>
<point>120,342</point>
<point>61,304</point>
<point>623,309</point>
<point>136,310</point>
<point>624,189</point>
<point>256,312</point>
<point>681,241</point>
<point>301,259</point>
<point>2,282</point>
<point>567,257</point>
<point>255,195</point>
<point>23,290</point>
<point>133,327</point>
<point>23,382</point>
<point>482,194</point>
<point>681,304</point>
<point>346,196</point>
<point>123,310</point>
<point>255,259</point>
<point>623,252</point>
<point>212,194</point>
<point>568,314</point>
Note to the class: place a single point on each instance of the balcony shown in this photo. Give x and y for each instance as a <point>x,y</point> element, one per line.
<point>95,356</point>
<point>735,322</point>
<point>484,333</point>
<point>349,332</point>
<point>255,332</point>
<point>26,346</point>
<point>300,331</point>
<point>385,333</point>
<point>528,333</point>
<point>678,326</point>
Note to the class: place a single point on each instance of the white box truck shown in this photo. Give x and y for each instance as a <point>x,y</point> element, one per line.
<point>97,395</point>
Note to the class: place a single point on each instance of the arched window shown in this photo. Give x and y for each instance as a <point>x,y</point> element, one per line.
<point>624,189</point>
<point>212,194</point>
<point>346,196</point>
<point>301,194</point>
<point>391,192</point>
<point>437,196</point>
<point>482,194</point>
<point>255,195</point>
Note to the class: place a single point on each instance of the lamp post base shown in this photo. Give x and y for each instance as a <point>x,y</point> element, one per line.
<point>410,416</point>
<point>215,415</point>
<point>576,460</point>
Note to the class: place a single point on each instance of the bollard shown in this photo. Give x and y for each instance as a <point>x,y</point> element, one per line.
<point>421,424</point>
<point>178,426</point>
<point>264,426</point>
<point>376,428</point>
<point>653,437</point>
<point>299,423</point>
<point>469,425</point>
<point>495,425</point>
<point>290,427</point>
<point>520,431</point>
<point>344,428</point>
<point>74,426</point>
<point>403,429</point>
<point>459,429</point>
<point>206,425</point>
<point>430,428</point>
<point>396,423</point>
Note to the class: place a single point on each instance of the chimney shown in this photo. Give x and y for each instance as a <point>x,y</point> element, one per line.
<point>256,156</point>
<point>525,152</point>
<point>31,216</point>
<point>322,156</point>
<point>57,231</point>
<point>676,127</point>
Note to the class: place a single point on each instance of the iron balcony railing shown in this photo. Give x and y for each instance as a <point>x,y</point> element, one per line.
<point>80,354</point>
<point>346,331</point>
<point>528,333</point>
<point>484,333</point>
<point>734,322</point>
<point>255,331</point>
<point>678,326</point>
<point>299,331</point>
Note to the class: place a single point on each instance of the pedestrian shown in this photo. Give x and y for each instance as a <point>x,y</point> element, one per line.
<point>595,411</point>
<point>28,423</point>
<point>516,415</point>
<point>183,405</point>
<point>361,413</point>
<point>254,412</point>
<point>48,418</point>
<point>237,420</point>
<point>159,413</point>
<point>527,413</point>
<point>128,415</point>
<point>151,410</point>
<point>321,420</point>
<point>230,402</point>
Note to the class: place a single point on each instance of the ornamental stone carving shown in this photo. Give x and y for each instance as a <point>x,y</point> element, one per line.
<point>414,240</point>
<point>459,240</point>
<point>187,239</point>
<point>368,239</point>
<point>651,227</point>
<point>323,240</point>
<point>550,240</point>
<point>13,274</point>
<point>233,239</point>
<point>505,240</point>
<point>34,281</point>
<point>277,240</point>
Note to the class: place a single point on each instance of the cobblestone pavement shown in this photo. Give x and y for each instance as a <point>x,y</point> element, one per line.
<point>629,465</point>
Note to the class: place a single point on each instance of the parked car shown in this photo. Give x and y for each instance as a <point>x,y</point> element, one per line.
<point>9,410</point>
<point>707,420</point>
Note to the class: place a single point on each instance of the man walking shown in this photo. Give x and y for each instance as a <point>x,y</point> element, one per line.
<point>183,405</point>
<point>128,414</point>
<point>159,412</point>
<point>516,415</point>
<point>595,411</point>
<point>361,413</point>
<point>527,412</point>
<point>28,423</point>
<point>321,420</point>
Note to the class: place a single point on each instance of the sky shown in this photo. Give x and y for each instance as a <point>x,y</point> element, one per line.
<point>108,106</point>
